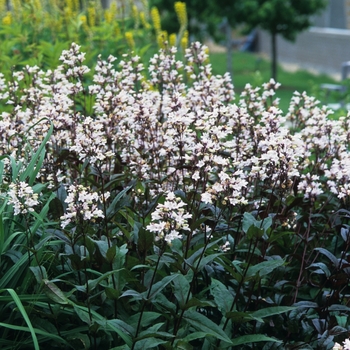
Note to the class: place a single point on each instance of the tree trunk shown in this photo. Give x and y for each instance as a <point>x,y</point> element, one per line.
<point>274,56</point>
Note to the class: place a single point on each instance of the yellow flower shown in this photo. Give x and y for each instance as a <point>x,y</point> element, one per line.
<point>130,39</point>
<point>111,13</point>
<point>155,19</point>
<point>162,38</point>
<point>16,5</point>
<point>91,16</point>
<point>135,12</point>
<point>108,16</point>
<point>37,5</point>
<point>144,20</point>
<point>113,8</point>
<point>116,29</point>
<point>172,39</point>
<point>7,20</point>
<point>83,20</point>
<point>69,6</point>
<point>76,5</point>
<point>184,42</point>
<point>2,6</point>
<point>181,13</point>
<point>67,13</point>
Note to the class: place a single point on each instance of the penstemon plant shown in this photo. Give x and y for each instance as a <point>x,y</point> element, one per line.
<point>149,209</point>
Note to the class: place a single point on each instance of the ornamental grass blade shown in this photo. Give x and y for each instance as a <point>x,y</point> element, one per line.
<point>36,162</point>
<point>24,314</point>
<point>12,276</point>
<point>44,335</point>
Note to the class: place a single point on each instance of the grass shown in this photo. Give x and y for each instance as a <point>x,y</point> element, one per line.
<point>251,68</point>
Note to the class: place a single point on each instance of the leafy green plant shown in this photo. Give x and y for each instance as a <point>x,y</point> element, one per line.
<point>148,210</point>
<point>36,32</point>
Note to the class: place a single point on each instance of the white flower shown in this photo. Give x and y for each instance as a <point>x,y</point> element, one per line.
<point>169,219</point>
<point>22,197</point>
<point>206,197</point>
<point>82,204</point>
<point>346,344</point>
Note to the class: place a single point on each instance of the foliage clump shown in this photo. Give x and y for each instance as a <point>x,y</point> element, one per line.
<point>151,210</point>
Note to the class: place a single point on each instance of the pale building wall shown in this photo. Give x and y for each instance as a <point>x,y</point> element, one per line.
<point>323,47</point>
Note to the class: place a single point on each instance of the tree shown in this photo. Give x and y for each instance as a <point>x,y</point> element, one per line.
<point>282,17</point>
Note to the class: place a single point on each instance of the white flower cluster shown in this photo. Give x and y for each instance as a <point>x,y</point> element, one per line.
<point>345,346</point>
<point>174,135</point>
<point>23,198</point>
<point>83,205</point>
<point>169,219</point>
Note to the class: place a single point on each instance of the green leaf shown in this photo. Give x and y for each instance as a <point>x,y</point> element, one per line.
<point>148,318</point>
<point>254,232</point>
<point>112,293</point>
<point>198,303</point>
<point>92,284</point>
<point>239,316</point>
<point>338,307</point>
<point>152,337</point>
<point>79,340</point>
<point>83,315</point>
<point>248,221</point>
<point>120,256</point>
<point>159,286</point>
<point>121,328</point>
<point>102,246</point>
<point>222,296</point>
<point>264,268</point>
<point>54,293</point>
<point>39,273</point>
<point>204,324</point>
<point>110,254</point>
<point>181,289</point>
<point>145,240</point>
<point>163,302</point>
<point>113,208</point>
<point>329,255</point>
<point>270,311</point>
<point>149,343</point>
<point>194,336</point>
<point>252,338</point>
<point>132,293</point>
<point>207,259</point>
<point>192,259</point>
<point>255,228</point>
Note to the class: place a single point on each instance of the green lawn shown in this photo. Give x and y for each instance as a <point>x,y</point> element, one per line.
<point>251,68</point>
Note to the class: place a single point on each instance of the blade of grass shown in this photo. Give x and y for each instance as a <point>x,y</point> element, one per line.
<point>23,312</point>
<point>37,160</point>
